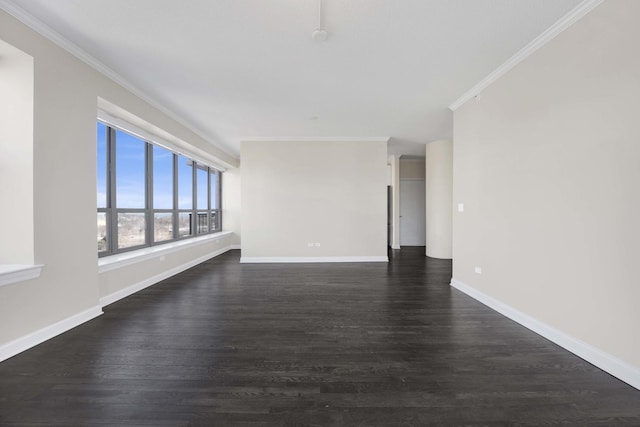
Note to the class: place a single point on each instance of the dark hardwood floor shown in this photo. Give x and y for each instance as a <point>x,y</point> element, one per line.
<point>225,344</point>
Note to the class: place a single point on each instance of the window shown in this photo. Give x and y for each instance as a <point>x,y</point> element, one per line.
<point>130,183</point>
<point>202,199</point>
<point>162,194</point>
<point>215,197</point>
<point>101,168</point>
<point>148,195</point>
<point>185,197</point>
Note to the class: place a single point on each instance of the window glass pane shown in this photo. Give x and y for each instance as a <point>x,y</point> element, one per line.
<point>185,183</point>
<point>162,178</point>
<point>214,191</point>
<point>162,226</point>
<point>131,228</point>
<point>130,171</point>
<point>203,187</point>
<point>197,208</point>
<point>102,232</point>
<point>214,221</point>
<point>101,166</point>
<point>184,224</point>
<point>203,222</point>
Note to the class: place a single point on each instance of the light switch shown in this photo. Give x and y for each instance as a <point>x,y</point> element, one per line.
<point>460,207</point>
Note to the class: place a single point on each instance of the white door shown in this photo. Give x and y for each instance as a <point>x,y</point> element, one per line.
<point>412,212</point>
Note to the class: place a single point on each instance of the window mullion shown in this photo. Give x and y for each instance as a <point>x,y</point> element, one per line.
<point>111,191</point>
<point>176,213</point>
<point>210,225</point>
<point>149,189</point>
<point>194,196</point>
<point>218,191</point>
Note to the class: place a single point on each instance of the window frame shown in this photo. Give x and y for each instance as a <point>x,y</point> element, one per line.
<point>112,211</point>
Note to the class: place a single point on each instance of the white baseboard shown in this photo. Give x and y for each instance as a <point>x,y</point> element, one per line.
<point>26,342</point>
<point>21,344</point>
<point>235,247</point>
<point>618,368</point>
<point>249,260</point>
<point>123,293</point>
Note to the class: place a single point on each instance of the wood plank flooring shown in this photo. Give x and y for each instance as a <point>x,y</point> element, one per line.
<point>225,344</point>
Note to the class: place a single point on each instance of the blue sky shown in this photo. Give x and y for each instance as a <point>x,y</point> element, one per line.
<point>130,175</point>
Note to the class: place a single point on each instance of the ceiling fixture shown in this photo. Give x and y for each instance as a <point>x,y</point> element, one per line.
<point>319,34</point>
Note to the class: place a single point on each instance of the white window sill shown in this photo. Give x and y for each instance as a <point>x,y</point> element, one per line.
<point>18,273</point>
<point>129,258</point>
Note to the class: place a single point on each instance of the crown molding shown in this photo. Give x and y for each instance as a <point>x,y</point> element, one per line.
<point>44,30</point>
<point>562,24</point>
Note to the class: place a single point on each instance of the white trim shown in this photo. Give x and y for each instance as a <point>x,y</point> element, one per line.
<point>316,138</point>
<point>128,258</point>
<point>605,361</point>
<point>249,260</point>
<point>412,179</point>
<point>235,247</point>
<point>122,293</point>
<point>396,247</point>
<point>24,343</point>
<point>562,24</point>
<point>52,35</point>
<point>18,273</point>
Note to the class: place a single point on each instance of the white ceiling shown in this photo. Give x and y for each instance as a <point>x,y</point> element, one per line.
<point>236,69</point>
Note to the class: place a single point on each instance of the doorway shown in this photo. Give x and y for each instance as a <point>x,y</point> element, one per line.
<point>412,212</point>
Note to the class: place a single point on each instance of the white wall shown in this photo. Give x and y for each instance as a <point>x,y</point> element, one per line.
<point>114,284</point>
<point>66,93</point>
<point>231,206</point>
<point>547,164</point>
<point>331,193</point>
<point>16,156</point>
<point>439,193</point>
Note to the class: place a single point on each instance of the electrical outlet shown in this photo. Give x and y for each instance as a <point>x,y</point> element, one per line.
<point>460,207</point>
<point>478,270</point>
